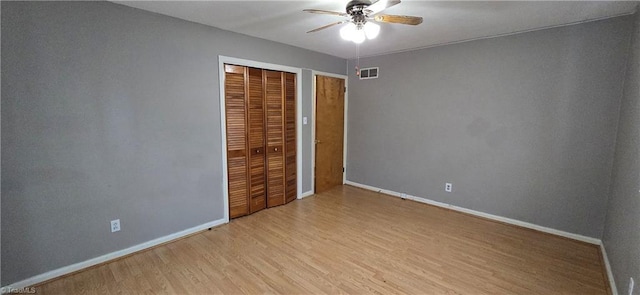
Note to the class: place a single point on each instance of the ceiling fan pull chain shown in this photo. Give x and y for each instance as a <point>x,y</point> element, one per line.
<point>358,60</point>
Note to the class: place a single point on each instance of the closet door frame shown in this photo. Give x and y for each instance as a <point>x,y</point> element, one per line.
<point>222,60</point>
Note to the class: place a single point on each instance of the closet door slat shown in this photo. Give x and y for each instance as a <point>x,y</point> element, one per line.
<point>258,200</point>
<point>290,137</point>
<point>275,137</point>
<point>235,104</point>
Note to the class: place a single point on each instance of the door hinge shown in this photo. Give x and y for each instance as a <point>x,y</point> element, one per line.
<point>342,169</point>
<point>345,89</point>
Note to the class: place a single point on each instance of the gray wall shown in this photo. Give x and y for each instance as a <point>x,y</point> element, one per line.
<point>112,112</point>
<point>622,229</point>
<point>523,126</point>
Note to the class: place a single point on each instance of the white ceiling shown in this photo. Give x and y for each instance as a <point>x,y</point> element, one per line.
<point>444,21</point>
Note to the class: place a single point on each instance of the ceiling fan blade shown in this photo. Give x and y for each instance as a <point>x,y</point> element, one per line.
<point>398,19</point>
<point>320,11</point>
<point>327,26</point>
<point>380,6</point>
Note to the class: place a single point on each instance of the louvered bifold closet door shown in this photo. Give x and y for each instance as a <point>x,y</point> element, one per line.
<point>235,104</point>
<point>290,137</point>
<point>258,200</point>
<point>275,137</point>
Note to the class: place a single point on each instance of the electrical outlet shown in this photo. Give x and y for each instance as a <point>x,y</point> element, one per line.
<point>631,283</point>
<point>448,187</point>
<point>115,225</point>
<point>304,120</point>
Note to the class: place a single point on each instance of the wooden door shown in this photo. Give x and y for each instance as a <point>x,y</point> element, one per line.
<point>235,104</point>
<point>290,137</point>
<point>329,132</point>
<point>257,177</point>
<point>274,117</point>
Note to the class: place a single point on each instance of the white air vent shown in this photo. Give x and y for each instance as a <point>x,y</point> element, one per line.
<point>369,73</point>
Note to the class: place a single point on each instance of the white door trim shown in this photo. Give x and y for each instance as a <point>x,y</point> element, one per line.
<point>313,126</point>
<point>222,60</point>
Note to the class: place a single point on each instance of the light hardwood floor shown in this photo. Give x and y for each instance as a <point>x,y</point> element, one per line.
<point>348,240</point>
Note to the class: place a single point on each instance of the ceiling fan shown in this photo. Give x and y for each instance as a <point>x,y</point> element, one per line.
<point>361,15</point>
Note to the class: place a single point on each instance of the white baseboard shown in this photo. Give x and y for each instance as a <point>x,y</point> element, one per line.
<point>107,257</point>
<point>306,194</point>
<point>612,281</point>
<point>481,214</point>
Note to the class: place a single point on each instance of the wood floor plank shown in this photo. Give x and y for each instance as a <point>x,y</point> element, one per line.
<point>348,240</point>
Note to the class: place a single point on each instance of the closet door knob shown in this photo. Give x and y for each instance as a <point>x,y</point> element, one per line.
<point>275,149</point>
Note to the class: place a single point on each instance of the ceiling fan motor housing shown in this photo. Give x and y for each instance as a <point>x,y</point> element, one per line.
<point>355,9</point>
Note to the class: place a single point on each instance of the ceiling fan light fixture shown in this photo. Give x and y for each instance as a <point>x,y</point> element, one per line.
<point>359,36</point>
<point>354,33</point>
<point>348,31</point>
<point>371,30</point>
